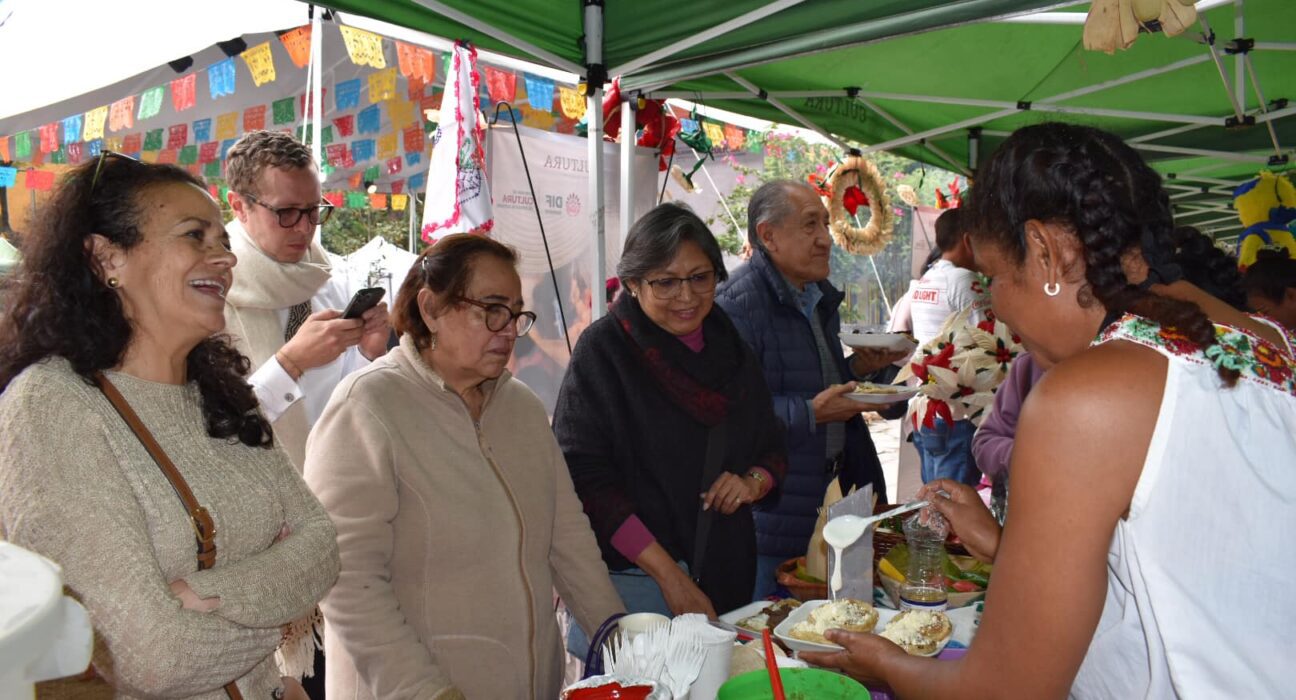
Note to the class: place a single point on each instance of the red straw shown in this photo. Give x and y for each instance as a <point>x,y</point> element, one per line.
<point>771,665</point>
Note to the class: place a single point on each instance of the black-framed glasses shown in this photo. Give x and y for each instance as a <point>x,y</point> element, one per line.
<point>498,316</point>
<point>104,155</point>
<point>667,288</point>
<point>289,216</point>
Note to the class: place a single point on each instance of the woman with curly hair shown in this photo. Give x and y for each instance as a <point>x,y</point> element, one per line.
<point>1152,471</point>
<point>114,313</point>
<point>1270,285</point>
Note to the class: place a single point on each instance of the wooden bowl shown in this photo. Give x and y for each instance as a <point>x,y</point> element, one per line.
<point>801,590</point>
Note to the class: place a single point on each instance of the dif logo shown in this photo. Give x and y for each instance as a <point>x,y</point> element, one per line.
<point>555,202</point>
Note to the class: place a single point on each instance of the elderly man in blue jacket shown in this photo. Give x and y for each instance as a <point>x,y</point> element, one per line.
<point>786,310</point>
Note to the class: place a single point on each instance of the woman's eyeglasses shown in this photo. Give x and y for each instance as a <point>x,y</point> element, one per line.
<point>289,216</point>
<point>498,316</point>
<point>667,288</point>
<point>105,155</point>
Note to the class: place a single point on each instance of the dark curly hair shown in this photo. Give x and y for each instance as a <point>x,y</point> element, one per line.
<point>1093,183</point>
<point>1207,266</point>
<point>60,307</point>
<point>1271,275</point>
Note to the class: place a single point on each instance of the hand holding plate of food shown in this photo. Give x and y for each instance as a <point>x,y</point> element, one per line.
<point>870,393</point>
<point>857,338</point>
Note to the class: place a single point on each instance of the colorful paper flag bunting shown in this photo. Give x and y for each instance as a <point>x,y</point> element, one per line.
<point>399,201</point>
<point>537,119</point>
<point>414,139</point>
<point>364,48</point>
<point>58,157</point>
<point>355,180</point>
<point>735,137</point>
<point>393,166</point>
<point>183,91</point>
<point>152,140</point>
<point>122,114</point>
<point>226,125</point>
<point>357,200</point>
<point>378,201</point>
<point>37,157</point>
<point>387,144</point>
<point>334,198</point>
<point>212,168</point>
<point>150,103</point>
<point>73,152</point>
<point>202,130</point>
<point>369,121</point>
<point>305,101</point>
<point>412,159</point>
<point>40,180</point>
<point>254,118</point>
<point>226,145</point>
<point>347,94</point>
<point>49,138</point>
<point>95,120</point>
<point>72,129</point>
<point>189,155</point>
<point>501,85</point>
<point>573,103</point>
<point>94,148</point>
<point>400,112</point>
<point>326,135</point>
<point>132,143</point>
<point>382,85</point>
<point>372,173</point>
<point>715,134</point>
<point>260,62</point>
<point>22,145</point>
<point>208,152</point>
<point>221,78</point>
<point>345,125</point>
<point>8,176</point>
<point>168,156</point>
<point>178,136</point>
<point>336,154</point>
<point>540,92</point>
<point>416,63</point>
<point>298,44</point>
<point>397,186</point>
<point>416,181</point>
<point>4,149</point>
<point>362,150</point>
<point>284,112</point>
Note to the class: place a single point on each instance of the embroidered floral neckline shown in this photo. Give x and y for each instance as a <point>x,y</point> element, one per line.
<point>1253,357</point>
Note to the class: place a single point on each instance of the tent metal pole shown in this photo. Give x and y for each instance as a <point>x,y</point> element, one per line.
<point>904,128</point>
<point>702,36</point>
<point>627,174</point>
<point>1127,114</point>
<point>486,28</point>
<point>786,110</point>
<point>1220,220</point>
<point>1239,78</point>
<point>594,108</point>
<point>1222,155</point>
<point>1255,82</point>
<point>1219,65</point>
<point>1162,134</point>
<point>1275,46</point>
<point>1276,114</point>
<point>315,87</point>
<point>1126,79</point>
<point>922,136</point>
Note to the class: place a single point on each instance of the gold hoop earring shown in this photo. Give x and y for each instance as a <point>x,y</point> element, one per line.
<point>1052,288</point>
<point>113,282</point>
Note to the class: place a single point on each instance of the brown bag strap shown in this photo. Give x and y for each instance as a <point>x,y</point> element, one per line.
<point>203,527</point>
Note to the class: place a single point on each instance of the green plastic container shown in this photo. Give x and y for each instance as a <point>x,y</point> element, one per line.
<point>798,684</point>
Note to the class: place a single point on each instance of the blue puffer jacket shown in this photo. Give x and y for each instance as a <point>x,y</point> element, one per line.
<point>768,318</point>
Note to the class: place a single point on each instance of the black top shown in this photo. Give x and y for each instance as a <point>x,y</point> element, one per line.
<point>633,418</point>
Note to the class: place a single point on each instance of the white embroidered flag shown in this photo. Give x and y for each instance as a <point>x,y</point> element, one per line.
<point>458,198</point>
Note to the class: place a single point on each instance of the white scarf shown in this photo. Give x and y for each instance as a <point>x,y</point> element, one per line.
<point>262,288</point>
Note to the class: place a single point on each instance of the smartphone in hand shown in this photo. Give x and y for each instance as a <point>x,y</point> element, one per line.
<point>363,300</point>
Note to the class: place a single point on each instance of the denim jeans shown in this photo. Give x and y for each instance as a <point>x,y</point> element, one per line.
<point>638,591</point>
<point>946,452</point>
<point>766,584</point>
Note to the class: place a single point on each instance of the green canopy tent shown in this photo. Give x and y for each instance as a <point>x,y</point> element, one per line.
<point>936,80</point>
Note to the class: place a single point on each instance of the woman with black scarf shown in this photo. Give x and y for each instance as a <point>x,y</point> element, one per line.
<point>668,429</point>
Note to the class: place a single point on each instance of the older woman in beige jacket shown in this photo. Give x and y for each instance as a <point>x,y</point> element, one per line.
<point>455,513</point>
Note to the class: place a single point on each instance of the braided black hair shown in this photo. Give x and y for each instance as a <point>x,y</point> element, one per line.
<point>1093,183</point>
<point>1207,266</point>
<point>61,308</point>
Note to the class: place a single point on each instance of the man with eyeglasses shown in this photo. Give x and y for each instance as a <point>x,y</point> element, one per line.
<point>786,310</point>
<point>284,309</point>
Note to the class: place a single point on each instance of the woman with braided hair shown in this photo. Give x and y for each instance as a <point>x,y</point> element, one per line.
<point>1152,470</point>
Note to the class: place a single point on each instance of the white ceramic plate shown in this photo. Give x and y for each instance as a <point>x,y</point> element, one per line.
<point>902,393</point>
<point>801,613</point>
<point>733,617</point>
<point>896,342</point>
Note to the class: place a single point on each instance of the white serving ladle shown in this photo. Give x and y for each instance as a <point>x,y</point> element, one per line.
<point>843,531</point>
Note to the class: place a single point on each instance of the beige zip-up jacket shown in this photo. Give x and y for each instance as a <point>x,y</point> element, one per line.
<point>453,536</point>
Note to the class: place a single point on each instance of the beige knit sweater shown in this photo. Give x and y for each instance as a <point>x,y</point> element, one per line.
<point>77,487</point>
<point>453,536</point>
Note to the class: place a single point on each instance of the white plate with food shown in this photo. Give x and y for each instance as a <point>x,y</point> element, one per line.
<point>870,393</point>
<point>895,342</point>
<point>750,619</point>
<point>920,634</point>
